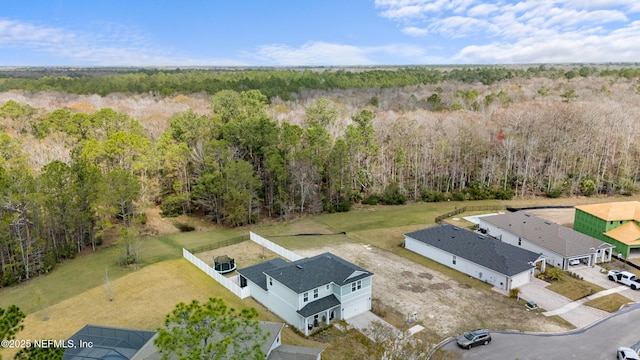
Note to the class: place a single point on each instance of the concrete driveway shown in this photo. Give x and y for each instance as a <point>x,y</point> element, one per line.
<point>574,311</point>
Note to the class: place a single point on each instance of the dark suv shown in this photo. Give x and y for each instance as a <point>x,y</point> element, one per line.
<point>473,338</point>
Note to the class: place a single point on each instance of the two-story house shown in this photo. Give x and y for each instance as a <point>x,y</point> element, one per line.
<point>309,292</point>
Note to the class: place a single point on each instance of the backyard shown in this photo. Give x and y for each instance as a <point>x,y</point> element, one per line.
<point>447,302</point>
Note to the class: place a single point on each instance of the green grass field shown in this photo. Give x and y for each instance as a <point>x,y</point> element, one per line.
<point>380,226</point>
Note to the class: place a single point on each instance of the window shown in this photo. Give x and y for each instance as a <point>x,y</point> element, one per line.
<point>454,260</point>
<point>327,286</point>
<point>315,293</point>
<point>356,285</point>
<point>519,241</point>
<point>306,297</point>
<point>270,282</point>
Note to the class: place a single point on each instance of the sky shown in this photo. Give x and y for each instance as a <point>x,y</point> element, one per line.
<point>316,32</point>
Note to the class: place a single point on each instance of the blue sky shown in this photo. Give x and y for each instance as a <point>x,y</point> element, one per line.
<point>313,33</point>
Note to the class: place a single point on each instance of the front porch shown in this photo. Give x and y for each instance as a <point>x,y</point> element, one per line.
<point>319,313</point>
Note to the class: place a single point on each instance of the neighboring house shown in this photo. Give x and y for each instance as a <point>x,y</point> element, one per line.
<point>309,292</point>
<point>128,344</point>
<point>560,245</point>
<point>502,265</point>
<point>617,223</point>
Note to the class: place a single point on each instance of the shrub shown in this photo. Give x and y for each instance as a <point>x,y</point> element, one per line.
<point>373,199</point>
<point>514,293</point>
<point>184,227</point>
<point>431,196</point>
<point>393,195</point>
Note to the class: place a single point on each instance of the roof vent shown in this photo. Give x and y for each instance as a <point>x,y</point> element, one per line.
<point>548,223</point>
<point>299,267</point>
<point>527,215</point>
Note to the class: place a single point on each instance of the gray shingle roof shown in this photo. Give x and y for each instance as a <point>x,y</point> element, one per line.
<point>319,305</point>
<point>289,352</point>
<point>558,239</point>
<point>482,250</point>
<point>255,273</point>
<point>309,273</point>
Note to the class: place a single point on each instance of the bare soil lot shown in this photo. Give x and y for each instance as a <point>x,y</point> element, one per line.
<point>444,306</point>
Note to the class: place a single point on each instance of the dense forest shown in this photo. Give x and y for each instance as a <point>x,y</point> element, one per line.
<point>83,155</point>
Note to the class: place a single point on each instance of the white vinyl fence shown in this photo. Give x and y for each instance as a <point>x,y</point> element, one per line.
<point>287,254</point>
<point>228,283</point>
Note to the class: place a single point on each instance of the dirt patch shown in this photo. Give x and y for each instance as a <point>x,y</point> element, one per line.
<point>245,254</point>
<point>413,287</point>
<point>444,306</point>
<point>562,217</point>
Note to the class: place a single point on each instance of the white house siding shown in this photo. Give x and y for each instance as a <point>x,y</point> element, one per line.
<point>355,302</point>
<point>463,265</point>
<point>521,279</point>
<point>283,302</point>
<point>322,292</point>
<point>258,293</point>
<point>551,258</point>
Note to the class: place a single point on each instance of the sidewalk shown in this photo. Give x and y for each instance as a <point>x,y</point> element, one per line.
<point>575,304</point>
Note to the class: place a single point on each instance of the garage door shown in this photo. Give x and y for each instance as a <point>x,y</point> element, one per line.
<point>356,308</point>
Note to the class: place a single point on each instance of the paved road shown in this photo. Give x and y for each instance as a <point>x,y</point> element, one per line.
<point>597,341</point>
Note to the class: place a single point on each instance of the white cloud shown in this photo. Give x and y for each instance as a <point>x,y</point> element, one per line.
<point>112,45</point>
<point>415,31</point>
<point>312,53</point>
<point>323,53</point>
<point>524,30</point>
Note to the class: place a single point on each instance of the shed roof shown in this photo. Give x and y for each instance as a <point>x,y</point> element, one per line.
<point>559,239</point>
<point>255,273</point>
<point>628,233</point>
<point>309,273</point>
<point>614,211</point>
<point>485,251</point>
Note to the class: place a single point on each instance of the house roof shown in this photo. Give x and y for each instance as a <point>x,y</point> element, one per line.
<point>614,211</point>
<point>482,250</point>
<point>559,239</point>
<point>309,273</point>
<point>289,352</point>
<point>256,272</point>
<point>319,305</point>
<point>107,341</point>
<point>628,233</point>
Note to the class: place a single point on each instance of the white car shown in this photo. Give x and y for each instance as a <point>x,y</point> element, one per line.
<point>625,353</point>
<point>574,262</point>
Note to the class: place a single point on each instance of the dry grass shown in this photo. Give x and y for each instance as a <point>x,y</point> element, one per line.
<point>141,300</point>
<point>610,303</point>
<point>574,289</point>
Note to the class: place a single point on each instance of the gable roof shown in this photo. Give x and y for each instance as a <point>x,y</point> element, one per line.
<point>255,273</point>
<point>628,233</point>
<point>482,250</point>
<point>614,211</point>
<point>309,273</point>
<point>107,341</point>
<point>289,352</point>
<point>547,234</point>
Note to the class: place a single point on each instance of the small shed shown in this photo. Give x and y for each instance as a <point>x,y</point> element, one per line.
<point>224,264</point>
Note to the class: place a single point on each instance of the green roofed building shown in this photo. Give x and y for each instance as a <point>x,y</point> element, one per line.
<point>617,223</point>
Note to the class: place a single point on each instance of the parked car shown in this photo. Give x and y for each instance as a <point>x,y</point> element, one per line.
<point>625,353</point>
<point>473,338</point>
<point>574,262</point>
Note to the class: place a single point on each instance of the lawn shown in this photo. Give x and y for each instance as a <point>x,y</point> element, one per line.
<point>141,300</point>
<point>85,272</point>
<point>574,289</point>
<point>610,303</point>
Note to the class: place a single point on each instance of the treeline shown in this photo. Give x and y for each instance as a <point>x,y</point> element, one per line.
<point>237,164</point>
<point>285,84</point>
<point>51,215</point>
